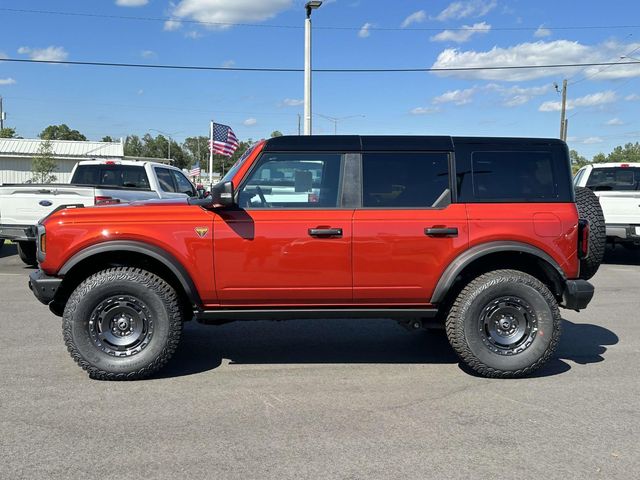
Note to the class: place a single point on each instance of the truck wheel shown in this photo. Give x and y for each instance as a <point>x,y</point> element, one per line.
<point>1,243</point>
<point>589,208</point>
<point>505,324</point>
<point>122,324</point>
<point>27,253</point>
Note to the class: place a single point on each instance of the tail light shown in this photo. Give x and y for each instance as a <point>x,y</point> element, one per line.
<point>105,200</point>
<point>583,238</point>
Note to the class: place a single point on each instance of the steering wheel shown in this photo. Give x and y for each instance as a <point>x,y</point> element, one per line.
<point>263,200</point>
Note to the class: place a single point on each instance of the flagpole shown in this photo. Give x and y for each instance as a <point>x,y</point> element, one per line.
<point>211,155</point>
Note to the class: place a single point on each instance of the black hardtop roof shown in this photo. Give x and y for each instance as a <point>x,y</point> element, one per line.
<point>387,143</point>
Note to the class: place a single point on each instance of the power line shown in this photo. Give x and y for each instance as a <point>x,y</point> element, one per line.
<point>318,70</point>
<point>298,27</point>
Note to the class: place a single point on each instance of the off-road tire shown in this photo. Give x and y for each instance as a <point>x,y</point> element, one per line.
<point>1,243</point>
<point>27,253</point>
<point>464,325</point>
<point>589,208</point>
<point>161,307</point>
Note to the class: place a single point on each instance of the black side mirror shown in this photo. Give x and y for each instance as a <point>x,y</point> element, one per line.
<point>223,194</point>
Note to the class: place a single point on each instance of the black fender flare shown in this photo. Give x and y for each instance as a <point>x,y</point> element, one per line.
<point>165,258</point>
<point>478,251</point>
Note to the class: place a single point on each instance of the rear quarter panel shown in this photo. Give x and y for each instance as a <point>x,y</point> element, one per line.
<point>551,227</point>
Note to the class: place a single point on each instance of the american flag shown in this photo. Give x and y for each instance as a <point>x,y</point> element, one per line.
<point>224,141</point>
<point>195,171</point>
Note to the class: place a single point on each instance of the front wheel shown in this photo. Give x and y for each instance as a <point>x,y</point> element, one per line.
<point>504,323</point>
<point>122,324</point>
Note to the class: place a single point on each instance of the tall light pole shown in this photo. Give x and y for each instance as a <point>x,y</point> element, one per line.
<point>309,7</point>
<point>169,140</point>
<point>335,120</point>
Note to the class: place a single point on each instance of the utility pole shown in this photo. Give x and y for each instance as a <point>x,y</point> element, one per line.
<point>299,124</point>
<point>563,114</point>
<point>2,115</point>
<point>309,7</point>
<point>566,127</point>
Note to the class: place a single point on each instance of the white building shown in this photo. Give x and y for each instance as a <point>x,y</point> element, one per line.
<point>16,156</point>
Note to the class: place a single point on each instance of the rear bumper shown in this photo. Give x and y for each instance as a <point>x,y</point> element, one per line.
<point>624,233</point>
<point>577,294</point>
<point>18,232</point>
<point>43,286</point>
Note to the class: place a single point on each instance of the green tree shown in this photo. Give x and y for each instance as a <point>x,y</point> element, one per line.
<point>276,133</point>
<point>61,132</point>
<point>627,154</point>
<point>133,146</point>
<point>577,160</point>
<point>43,164</point>
<point>107,138</point>
<point>599,158</point>
<point>8,132</point>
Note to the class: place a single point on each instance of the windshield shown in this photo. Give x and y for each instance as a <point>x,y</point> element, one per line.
<point>236,166</point>
<point>614,178</point>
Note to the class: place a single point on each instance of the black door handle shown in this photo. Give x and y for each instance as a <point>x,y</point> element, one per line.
<point>441,232</point>
<point>325,232</point>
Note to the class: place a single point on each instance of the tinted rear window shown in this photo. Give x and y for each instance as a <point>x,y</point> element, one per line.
<point>504,174</point>
<point>614,178</point>
<point>128,176</point>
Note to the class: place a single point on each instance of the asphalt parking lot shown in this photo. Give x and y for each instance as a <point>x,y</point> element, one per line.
<point>324,399</point>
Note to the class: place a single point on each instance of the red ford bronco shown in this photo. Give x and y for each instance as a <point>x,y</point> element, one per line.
<point>483,236</point>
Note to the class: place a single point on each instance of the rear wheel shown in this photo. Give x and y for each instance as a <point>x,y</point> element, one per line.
<point>122,324</point>
<point>27,253</point>
<point>589,208</point>
<point>504,324</point>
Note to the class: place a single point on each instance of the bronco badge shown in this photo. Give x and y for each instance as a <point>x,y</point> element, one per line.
<point>201,231</point>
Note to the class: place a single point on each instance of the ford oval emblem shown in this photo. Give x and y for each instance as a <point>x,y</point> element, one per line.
<point>45,203</point>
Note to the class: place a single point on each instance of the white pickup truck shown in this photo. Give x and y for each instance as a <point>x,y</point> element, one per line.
<point>617,185</point>
<point>93,182</point>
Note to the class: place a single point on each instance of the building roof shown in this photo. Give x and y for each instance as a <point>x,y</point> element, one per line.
<point>28,147</point>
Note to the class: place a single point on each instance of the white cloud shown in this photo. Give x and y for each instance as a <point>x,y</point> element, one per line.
<point>632,98</point>
<point>416,17</point>
<point>131,3</point>
<point>229,63</point>
<point>364,31</point>
<point>592,140</point>
<point>292,102</point>
<point>542,32</point>
<point>7,81</point>
<point>463,34</point>
<point>49,54</point>
<point>423,110</point>
<point>515,95</point>
<point>148,54</point>
<point>615,122</point>
<point>591,100</point>
<point>458,97</point>
<point>193,34</point>
<point>249,122</point>
<point>172,25</point>
<point>466,9</point>
<point>538,53</point>
<point>228,11</point>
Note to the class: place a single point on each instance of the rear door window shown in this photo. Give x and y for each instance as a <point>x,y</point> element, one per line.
<point>166,180</point>
<point>183,184</point>
<point>128,176</point>
<point>614,178</point>
<point>404,180</point>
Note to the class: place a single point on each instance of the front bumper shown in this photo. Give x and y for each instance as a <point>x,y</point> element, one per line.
<point>18,233</point>
<point>624,233</point>
<point>43,286</point>
<point>577,294</point>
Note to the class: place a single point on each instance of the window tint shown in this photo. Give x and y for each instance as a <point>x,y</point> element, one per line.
<point>513,176</point>
<point>183,184</point>
<point>404,180</point>
<point>111,176</point>
<point>614,178</point>
<point>293,180</point>
<point>165,179</point>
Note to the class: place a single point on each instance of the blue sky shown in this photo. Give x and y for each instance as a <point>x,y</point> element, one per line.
<point>118,101</point>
